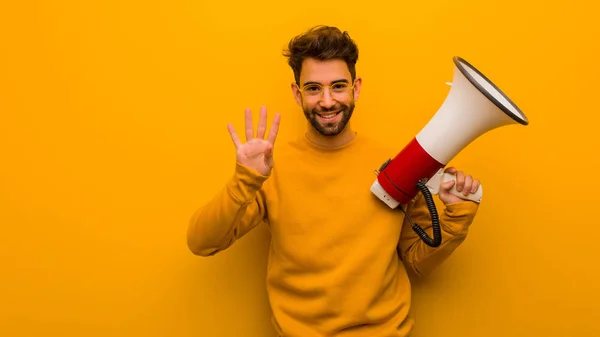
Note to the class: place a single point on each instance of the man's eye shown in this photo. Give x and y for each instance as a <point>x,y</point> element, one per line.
<point>312,88</point>
<point>339,86</point>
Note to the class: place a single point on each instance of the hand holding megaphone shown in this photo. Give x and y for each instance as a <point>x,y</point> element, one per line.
<point>452,185</point>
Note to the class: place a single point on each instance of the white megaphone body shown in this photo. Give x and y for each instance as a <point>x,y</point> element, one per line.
<point>473,107</point>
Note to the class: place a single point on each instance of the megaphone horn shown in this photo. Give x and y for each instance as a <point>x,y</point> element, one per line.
<point>473,107</point>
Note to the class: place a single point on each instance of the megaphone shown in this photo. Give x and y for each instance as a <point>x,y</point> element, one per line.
<point>473,107</point>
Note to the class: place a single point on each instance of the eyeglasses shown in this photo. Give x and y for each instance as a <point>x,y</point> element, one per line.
<point>314,90</point>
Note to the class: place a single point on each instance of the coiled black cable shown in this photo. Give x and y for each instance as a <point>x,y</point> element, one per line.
<point>436,241</point>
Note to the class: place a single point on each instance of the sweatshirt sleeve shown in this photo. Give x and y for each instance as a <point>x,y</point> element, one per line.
<point>454,220</point>
<point>230,214</point>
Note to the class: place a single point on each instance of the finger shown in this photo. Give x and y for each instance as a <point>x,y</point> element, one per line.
<point>468,185</point>
<point>460,181</point>
<point>234,136</point>
<point>451,170</point>
<point>447,185</point>
<point>274,128</point>
<point>475,186</point>
<point>249,128</point>
<point>262,123</point>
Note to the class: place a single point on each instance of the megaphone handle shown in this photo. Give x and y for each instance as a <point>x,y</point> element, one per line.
<point>472,196</point>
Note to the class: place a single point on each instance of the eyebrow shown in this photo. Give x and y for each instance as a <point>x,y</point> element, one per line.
<point>342,80</point>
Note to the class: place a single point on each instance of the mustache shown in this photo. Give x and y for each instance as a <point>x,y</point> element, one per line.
<point>337,107</point>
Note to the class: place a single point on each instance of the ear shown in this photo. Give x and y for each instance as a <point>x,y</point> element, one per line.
<point>297,94</point>
<point>357,85</point>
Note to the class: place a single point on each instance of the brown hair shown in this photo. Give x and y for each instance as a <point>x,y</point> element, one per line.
<point>322,43</point>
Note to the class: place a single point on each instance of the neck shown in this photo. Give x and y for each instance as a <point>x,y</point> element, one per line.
<point>343,138</point>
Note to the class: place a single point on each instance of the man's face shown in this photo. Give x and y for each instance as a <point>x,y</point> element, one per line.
<point>328,110</point>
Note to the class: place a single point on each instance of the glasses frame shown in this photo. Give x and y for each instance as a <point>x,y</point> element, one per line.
<point>323,87</point>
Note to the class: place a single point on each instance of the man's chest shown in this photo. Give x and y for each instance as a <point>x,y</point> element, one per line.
<point>328,210</point>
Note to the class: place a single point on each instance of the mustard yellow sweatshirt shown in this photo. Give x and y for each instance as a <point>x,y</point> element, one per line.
<point>339,256</point>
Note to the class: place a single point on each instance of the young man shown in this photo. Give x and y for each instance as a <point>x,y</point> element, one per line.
<point>339,256</point>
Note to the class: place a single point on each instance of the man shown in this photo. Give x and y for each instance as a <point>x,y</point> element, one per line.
<point>339,256</point>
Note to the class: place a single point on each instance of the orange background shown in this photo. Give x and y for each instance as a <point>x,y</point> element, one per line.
<point>113,130</point>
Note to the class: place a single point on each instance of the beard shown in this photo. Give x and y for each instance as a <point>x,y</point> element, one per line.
<point>330,128</point>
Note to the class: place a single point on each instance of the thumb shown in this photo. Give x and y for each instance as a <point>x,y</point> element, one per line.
<point>269,155</point>
<point>269,150</point>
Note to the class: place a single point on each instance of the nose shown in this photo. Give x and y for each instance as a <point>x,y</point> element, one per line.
<point>326,100</point>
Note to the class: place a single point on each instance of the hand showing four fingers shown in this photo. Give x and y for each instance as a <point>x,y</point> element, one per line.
<point>256,153</point>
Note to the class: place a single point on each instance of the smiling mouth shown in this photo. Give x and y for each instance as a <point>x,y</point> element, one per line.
<point>329,115</point>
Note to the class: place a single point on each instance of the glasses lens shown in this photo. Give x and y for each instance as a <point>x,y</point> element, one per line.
<point>340,87</point>
<point>312,89</point>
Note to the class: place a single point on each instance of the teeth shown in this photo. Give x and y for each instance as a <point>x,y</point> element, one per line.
<point>329,116</point>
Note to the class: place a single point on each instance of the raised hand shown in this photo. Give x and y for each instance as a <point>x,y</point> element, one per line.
<point>256,153</point>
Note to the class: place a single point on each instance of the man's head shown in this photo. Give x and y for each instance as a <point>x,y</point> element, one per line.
<point>323,60</point>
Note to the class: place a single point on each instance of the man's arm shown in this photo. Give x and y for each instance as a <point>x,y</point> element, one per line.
<point>234,211</point>
<point>241,205</point>
<point>454,220</point>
